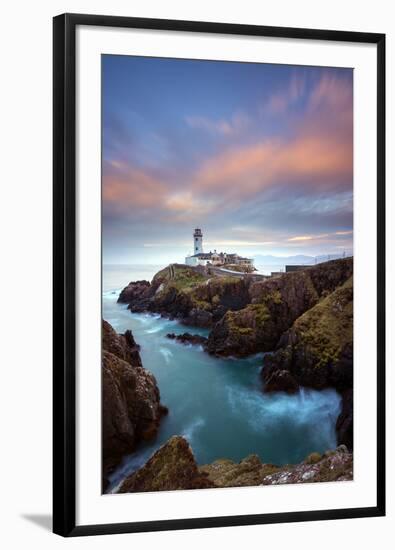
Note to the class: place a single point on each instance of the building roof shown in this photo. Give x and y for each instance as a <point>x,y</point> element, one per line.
<point>209,255</point>
<point>202,255</point>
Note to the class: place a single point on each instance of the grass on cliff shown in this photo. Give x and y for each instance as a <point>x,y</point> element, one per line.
<point>327,327</point>
<point>179,276</point>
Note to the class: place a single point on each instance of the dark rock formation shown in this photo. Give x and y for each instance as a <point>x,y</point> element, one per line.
<point>317,351</point>
<point>334,465</point>
<point>130,396</point>
<point>121,345</point>
<point>133,292</point>
<point>248,472</point>
<point>172,467</point>
<point>187,338</point>
<point>275,305</point>
<point>197,317</point>
<point>188,294</point>
<point>344,424</point>
<point>280,380</point>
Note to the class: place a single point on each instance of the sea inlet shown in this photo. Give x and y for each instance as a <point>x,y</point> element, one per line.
<point>216,404</point>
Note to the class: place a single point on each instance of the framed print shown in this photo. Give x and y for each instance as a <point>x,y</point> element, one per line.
<point>219,274</point>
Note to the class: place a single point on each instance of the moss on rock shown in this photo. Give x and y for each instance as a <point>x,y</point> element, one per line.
<point>171,467</point>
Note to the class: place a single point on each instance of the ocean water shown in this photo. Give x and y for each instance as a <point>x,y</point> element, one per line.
<point>217,404</point>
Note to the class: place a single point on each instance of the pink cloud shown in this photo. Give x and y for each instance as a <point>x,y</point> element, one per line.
<point>131,188</point>
<point>317,161</point>
<point>319,155</point>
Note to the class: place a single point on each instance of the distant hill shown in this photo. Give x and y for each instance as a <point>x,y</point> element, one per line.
<point>269,259</point>
<point>299,259</point>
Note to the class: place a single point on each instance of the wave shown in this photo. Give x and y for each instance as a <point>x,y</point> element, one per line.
<point>167,354</point>
<point>192,428</point>
<point>304,409</point>
<point>153,330</point>
<point>111,294</point>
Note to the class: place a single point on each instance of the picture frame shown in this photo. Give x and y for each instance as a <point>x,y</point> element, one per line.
<point>67,293</point>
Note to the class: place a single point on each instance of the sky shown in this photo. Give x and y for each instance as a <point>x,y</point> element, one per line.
<point>259,156</point>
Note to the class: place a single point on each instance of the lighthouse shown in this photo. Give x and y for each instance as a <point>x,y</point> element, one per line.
<point>198,241</point>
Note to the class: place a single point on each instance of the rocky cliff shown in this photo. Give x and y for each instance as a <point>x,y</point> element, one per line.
<point>188,294</point>
<point>275,304</point>
<point>130,396</point>
<point>173,467</point>
<point>317,350</point>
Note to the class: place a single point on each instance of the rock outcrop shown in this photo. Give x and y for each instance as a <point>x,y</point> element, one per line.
<point>275,305</point>
<point>317,351</point>
<point>121,345</point>
<point>334,465</point>
<point>171,467</point>
<point>344,424</point>
<point>248,472</point>
<point>187,338</point>
<point>174,467</point>
<point>133,292</point>
<point>188,294</point>
<point>130,396</point>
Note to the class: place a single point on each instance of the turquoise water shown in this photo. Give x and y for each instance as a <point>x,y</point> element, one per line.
<point>217,404</point>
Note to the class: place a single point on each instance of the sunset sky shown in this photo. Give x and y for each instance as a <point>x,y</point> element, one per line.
<point>258,156</point>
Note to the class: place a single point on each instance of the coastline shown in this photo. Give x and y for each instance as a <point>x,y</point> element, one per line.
<point>180,329</point>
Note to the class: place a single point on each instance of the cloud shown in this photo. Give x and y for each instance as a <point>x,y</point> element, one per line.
<point>281,101</point>
<point>308,237</point>
<point>317,155</point>
<point>182,206</point>
<point>240,243</point>
<point>331,239</point>
<point>289,186</point>
<point>127,189</point>
<point>316,161</point>
<point>236,124</point>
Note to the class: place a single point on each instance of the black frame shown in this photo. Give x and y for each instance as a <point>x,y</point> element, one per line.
<point>64,264</point>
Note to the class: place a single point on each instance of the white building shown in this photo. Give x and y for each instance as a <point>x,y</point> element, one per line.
<point>200,257</point>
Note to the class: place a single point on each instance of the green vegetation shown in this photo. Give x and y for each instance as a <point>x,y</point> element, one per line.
<point>273,297</point>
<point>262,314</point>
<point>179,276</point>
<point>236,325</point>
<point>226,473</point>
<point>325,329</point>
<point>313,458</point>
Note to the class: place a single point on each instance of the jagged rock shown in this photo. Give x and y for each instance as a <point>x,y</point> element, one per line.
<point>332,466</point>
<point>275,305</point>
<point>171,467</point>
<point>134,291</point>
<point>344,424</point>
<point>187,338</point>
<point>188,294</point>
<point>280,380</point>
<point>121,345</point>
<point>198,318</point>
<point>248,472</point>
<point>317,350</point>
<point>131,409</point>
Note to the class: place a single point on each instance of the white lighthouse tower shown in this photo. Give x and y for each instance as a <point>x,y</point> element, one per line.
<point>197,241</point>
